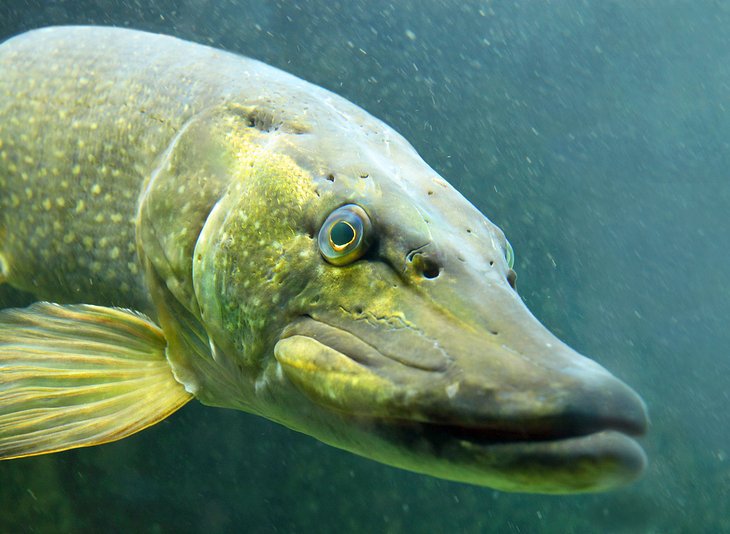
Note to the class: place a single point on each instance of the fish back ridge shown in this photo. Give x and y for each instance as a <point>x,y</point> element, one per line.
<point>83,127</point>
<point>86,114</point>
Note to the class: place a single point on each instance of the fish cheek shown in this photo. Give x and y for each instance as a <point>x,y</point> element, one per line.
<point>255,257</point>
<point>191,176</point>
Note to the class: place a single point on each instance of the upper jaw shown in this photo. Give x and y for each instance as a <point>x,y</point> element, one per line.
<point>429,382</point>
<point>546,433</point>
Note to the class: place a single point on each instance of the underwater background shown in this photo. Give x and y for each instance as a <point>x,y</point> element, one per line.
<point>595,133</point>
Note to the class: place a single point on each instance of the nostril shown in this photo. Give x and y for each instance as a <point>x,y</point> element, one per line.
<point>512,278</point>
<point>425,266</point>
<point>430,269</point>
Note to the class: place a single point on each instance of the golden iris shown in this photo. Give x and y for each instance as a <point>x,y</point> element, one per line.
<point>345,235</point>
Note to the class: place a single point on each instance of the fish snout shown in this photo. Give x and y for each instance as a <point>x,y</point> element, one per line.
<point>498,395</point>
<point>557,411</point>
<point>604,403</point>
<point>472,389</point>
<point>466,382</point>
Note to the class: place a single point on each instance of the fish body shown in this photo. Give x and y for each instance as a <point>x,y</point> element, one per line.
<point>208,226</point>
<point>85,124</point>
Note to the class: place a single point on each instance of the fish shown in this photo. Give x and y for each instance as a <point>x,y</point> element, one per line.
<point>194,224</point>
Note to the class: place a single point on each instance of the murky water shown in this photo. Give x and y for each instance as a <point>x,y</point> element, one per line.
<point>595,134</point>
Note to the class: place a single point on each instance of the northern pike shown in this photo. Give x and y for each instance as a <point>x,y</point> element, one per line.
<point>197,224</point>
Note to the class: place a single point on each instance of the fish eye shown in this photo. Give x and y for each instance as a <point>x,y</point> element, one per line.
<point>345,235</point>
<point>509,255</point>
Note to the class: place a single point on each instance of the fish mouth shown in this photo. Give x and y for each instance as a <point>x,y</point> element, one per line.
<point>561,430</point>
<point>587,463</point>
<point>483,435</point>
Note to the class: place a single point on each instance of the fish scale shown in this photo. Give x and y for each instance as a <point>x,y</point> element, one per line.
<point>69,191</point>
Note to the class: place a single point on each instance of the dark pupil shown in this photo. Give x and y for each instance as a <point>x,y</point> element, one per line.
<point>342,233</point>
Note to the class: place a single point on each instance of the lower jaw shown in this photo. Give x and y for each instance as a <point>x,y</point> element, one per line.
<point>590,463</point>
<point>595,462</point>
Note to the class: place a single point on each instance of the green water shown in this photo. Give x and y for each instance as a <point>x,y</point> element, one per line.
<point>596,134</point>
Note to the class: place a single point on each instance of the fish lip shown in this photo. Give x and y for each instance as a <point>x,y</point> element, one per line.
<point>439,434</point>
<point>591,462</point>
<point>494,435</point>
<point>552,448</point>
<point>358,350</point>
<point>350,344</point>
<point>551,434</point>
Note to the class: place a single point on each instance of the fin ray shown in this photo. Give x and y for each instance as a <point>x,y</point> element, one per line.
<point>81,375</point>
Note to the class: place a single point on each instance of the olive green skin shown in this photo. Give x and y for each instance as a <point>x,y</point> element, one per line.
<point>194,188</point>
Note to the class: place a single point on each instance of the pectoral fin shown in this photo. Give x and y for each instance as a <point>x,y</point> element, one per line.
<point>74,376</point>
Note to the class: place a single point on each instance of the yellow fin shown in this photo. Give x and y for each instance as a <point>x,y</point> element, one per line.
<point>74,376</point>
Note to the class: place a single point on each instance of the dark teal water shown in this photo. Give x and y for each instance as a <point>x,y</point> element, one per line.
<point>597,134</point>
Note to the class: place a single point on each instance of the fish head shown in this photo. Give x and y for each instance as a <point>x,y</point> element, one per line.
<point>355,296</point>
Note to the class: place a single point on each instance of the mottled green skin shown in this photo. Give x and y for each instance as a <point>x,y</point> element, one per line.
<point>70,187</point>
<point>85,116</point>
<point>142,171</point>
